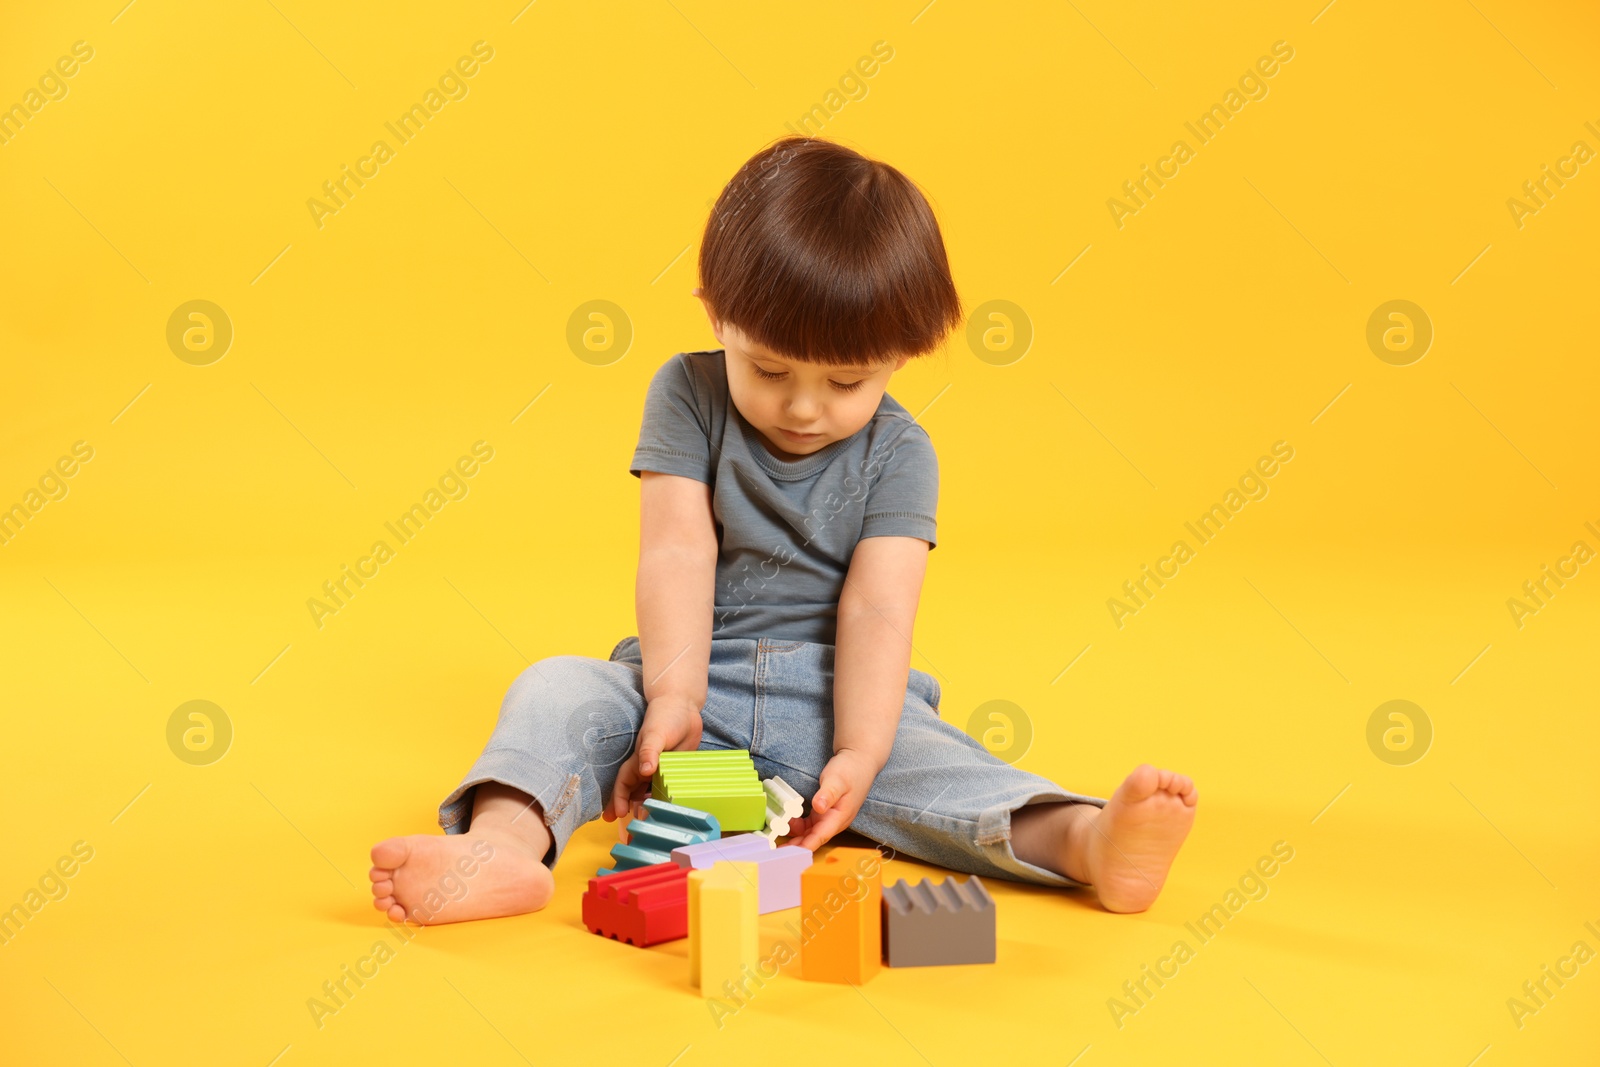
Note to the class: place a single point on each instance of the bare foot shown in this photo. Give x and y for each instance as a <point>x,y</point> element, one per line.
<point>1129,844</point>
<point>484,873</point>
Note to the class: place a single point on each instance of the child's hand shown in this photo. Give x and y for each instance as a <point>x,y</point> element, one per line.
<point>670,723</point>
<point>845,782</point>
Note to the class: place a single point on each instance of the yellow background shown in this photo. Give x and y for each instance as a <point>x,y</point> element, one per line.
<point>425,315</point>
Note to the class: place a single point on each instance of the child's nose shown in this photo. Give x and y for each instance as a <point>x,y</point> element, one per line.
<point>803,408</point>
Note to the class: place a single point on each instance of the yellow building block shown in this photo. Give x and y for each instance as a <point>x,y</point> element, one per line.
<point>841,924</point>
<point>723,931</point>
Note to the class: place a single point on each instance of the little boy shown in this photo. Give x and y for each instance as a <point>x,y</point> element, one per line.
<point>786,516</point>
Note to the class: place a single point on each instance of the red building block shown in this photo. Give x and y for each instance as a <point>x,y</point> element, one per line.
<point>642,906</point>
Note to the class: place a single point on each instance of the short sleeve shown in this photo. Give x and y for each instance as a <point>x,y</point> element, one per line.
<point>673,436</point>
<point>903,496</point>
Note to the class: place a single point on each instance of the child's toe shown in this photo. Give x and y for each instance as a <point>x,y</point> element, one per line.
<point>390,853</point>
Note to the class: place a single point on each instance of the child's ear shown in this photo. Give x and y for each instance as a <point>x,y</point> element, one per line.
<point>901,362</point>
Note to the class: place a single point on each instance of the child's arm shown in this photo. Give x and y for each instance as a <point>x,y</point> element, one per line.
<point>871,665</point>
<point>673,601</point>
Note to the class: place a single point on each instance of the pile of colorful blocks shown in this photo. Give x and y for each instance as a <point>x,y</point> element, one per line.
<point>683,874</point>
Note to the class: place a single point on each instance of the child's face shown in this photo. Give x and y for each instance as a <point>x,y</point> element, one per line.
<point>784,397</point>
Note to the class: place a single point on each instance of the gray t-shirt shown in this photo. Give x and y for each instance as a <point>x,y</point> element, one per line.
<point>786,528</point>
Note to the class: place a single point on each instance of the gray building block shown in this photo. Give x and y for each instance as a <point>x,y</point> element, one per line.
<point>931,924</point>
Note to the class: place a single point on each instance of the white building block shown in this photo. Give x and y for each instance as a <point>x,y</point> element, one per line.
<point>783,804</point>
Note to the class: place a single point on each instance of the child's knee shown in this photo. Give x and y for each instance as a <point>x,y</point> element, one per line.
<point>576,707</point>
<point>562,672</point>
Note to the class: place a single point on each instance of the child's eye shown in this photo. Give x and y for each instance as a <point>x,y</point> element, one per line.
<point>767,375</point>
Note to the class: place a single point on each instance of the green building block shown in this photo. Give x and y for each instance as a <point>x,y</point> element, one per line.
<point>720,782</point>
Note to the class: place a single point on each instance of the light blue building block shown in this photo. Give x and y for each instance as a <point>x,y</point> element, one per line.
<point>665,827</point>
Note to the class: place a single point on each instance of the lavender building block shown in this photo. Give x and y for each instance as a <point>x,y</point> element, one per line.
<point>779,874</point>
<point>777,869</point>
<point>734,847</point>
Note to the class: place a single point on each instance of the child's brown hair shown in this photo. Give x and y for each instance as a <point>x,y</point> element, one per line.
<point>825,256</point>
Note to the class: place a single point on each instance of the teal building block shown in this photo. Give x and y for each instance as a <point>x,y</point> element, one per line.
<point>666,826</point>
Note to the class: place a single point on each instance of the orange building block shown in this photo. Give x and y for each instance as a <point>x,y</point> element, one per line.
<point>841,922</point>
